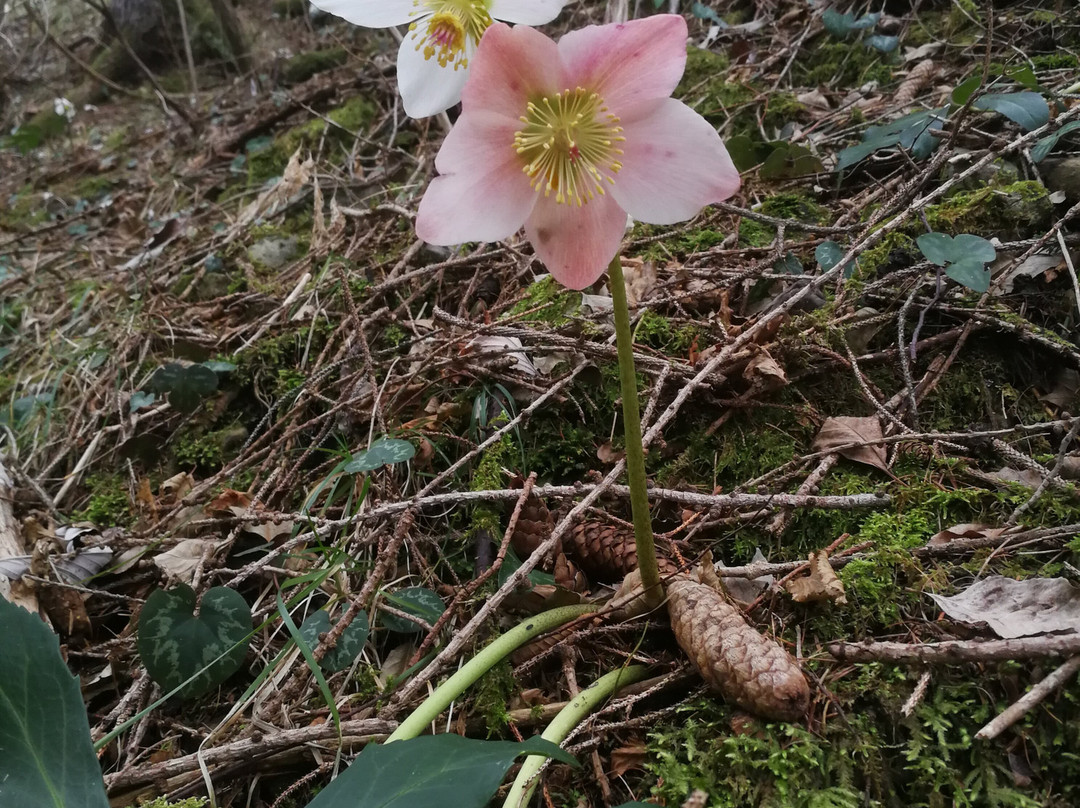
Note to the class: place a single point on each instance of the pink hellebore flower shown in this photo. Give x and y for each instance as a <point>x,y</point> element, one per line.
<point>567,139</point>
<point>434,56</point>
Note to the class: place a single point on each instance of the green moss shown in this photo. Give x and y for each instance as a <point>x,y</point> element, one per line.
<point>678,245</point>
<point>847,64</point>
<point>24,209</point>
<point>755,234</point>
<point>547,302</point>
<point>781,109</point>
<point>659,333</point>
<point>794,206</point>
<point>895,249</point>
<point>1016,211</point>
<point>355,115</point>
<point>493,693</point>
<point>1061,60</point>
<point>108,503</point>
<point>305,65</point>
<point>208,452</point>
<point>161,802</point>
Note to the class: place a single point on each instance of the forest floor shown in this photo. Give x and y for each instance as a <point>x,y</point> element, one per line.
<point>226,355</point>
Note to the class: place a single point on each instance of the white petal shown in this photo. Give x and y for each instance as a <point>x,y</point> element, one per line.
<point>371,13</point>
<point>526,12</point>
<point>425,87</point>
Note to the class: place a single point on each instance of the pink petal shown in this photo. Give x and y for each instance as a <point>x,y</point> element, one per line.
<point>674,164</point>
<point>576,244</point>
<point>627,63</point>
<point>526,12</point>
<point>511,65</point>
<point>371,13</point>
<point>482,195</point>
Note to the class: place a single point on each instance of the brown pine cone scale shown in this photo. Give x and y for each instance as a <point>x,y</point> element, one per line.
<point>606,552</point>
<point>745,667</point>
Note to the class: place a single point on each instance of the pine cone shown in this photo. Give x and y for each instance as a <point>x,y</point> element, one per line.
<point>745,667</point>
<point>533,527</point>
<point>568,576</point>
<point>606,552</point>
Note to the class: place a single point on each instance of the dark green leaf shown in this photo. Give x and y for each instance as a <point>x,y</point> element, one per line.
<point>883,43</point>
<point>139,400</point>
<point>866,21</point>
<point>937,247</point>
<point>349,644</point>
<point>218,366</point>
<point>970,272</point>
<point>510,565</point>
<point>1027,109</point>
<point>965,89</point>
<point>746,153</point>
<point>383,452</point>
<point>788,161</point>
<point>828,253</point>
<point>416,600</point>
<point>913,132</point>
<point>789,265</point>
<point>433,770</point>
<point>702,11</point>
<point>1047,144</point>
<point>185,386</point>
<point>968,246</point>
<point>4,352</point>
<point>1023,74</point>
<point>175,645</point>
<point>46,757</point>
<point>837,24</point>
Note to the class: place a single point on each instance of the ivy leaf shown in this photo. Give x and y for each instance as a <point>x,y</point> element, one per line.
<point>937,247</point>
<point>349,644</point>
<point>915,132</point>
<point>383,452</point>
<point>415,600</point>
<point>789,265</point>
<point>1027,109</point>
<point>186,386</point>
<point>48,759</point>
<point>789,160</point>
<point>219,366</point>
<point>828,255</point>
<point>969,246</point>
<point>1047,144</point>
<point>837,24</point>
<point>970,272</point>
<point>883,43</point>
<point>746,153</point>
<point>443,770</point>
<point>140,400</point>
<point>703,12</point>
<point>175,645</point>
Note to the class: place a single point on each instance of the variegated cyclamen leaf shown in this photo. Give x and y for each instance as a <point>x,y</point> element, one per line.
<point>349,644</point>
<point>176,645</point>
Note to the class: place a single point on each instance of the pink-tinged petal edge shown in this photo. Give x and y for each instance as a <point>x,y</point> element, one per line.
<point>576,244</point>
<point>482,195</point>
<point>426,87</point>
<point>526,12</point>
<point>370,13</point>
<point>674,164</point>
<point>509,66</point>
<point>628,63</point>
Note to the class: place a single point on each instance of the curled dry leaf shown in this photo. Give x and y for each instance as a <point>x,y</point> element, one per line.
<point>640,280</point>
<point>631,756</point>
<point>970,530</point>
<point>820,585</point>
<point>1016,608</point>
<point>765,373</point>
<point>844,431</point>
<point>494,345</point>
<point>181,560</point>
<point>745,667</point>
<point>175,489</point>
<point>745,591</point>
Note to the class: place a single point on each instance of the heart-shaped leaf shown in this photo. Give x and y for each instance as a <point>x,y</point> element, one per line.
<point>789,160</point>
<point>967,245</point>
<point>185,386</point>
<point>383,452</point>
<point>1027,109</point>
<point>416,600</point>
<point>140,400</point>
<point>883,43</point>
<point>175,645</point>
<point>47,758</point>
<point>349,644</point>
<point>937,247</point>
<point>970,272</point>
<point>431,770</point>
<point>828,255</point>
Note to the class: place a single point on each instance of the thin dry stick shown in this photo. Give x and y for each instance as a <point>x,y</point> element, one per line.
<point>1029,700</point>
<point>951,651</point>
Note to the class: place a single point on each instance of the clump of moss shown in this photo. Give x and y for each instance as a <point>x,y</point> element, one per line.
<point>659,333</point>
<point>755,234</point>
<point>1010,212</point>
<point>493,693</point>
<point>798,207</point>
<point>305,65</point>
<point>547,302</point>
<point>109,504</point>
<point>718,101</point>
<point>894,250</point>
<point>161,802</point>
<point>846,64</point>
<point>678,245</point>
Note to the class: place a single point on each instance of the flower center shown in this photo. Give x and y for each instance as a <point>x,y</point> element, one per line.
<point>451,25</point>
<point>569,145</point>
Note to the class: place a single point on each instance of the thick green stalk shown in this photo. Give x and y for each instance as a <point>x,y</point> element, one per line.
<point>569,717</point>
<point>480,664</point>
<point>635,454</point>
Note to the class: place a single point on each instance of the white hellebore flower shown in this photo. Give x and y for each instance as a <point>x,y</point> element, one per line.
<point>63,108</point>
<point>433,59</point>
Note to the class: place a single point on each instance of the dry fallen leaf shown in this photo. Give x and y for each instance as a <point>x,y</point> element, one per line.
<point>631,756</point>
<point>970,530</point>
<point>1028,477</point>
<point>843,430</point>
<point>181,560</point>
<point>1016,608</point>
<point>1066,392</point>
<point>764,372</point>
<point>821,585</point>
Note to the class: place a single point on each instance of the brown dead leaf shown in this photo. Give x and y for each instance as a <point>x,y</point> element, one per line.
<point>843,430</point>
<point>1066,392</point>
<point>1028,477</point>
<point>640,280</point>
<point>175,489</point>
<point>1016,608</point>
<point>631,756</point>
<point>180,562</point>
<point>609,454</point>
<point>764,372</point>
<point>821,585</point>
<point>970,530</point>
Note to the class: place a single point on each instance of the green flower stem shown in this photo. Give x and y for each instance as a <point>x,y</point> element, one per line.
<point>569,717</point>
<point>635,454</point>
<point>480,664</point>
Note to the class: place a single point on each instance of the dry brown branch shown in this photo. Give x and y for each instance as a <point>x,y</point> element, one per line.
<point>954,651</point>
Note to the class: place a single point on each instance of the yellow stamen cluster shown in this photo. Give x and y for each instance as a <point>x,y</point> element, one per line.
<point>569,145</point>
<point>450,25</point>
